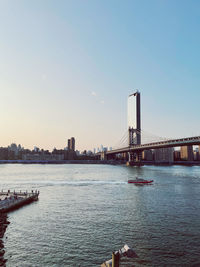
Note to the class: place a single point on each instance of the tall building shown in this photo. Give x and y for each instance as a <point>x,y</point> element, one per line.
<point>72,144</point>
<point>68,144</point>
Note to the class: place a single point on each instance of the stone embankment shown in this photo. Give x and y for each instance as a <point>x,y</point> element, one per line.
<point>3,225</point>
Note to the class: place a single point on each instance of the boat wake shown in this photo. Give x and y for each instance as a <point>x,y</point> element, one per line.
<point>43,183</point>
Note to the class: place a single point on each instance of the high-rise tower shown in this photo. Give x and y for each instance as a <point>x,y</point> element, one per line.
<point>72,144</point>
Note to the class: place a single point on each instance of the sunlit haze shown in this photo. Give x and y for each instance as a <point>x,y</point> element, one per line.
<point>67,68</point>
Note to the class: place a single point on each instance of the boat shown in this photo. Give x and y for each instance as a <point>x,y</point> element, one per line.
<point>139,181</point>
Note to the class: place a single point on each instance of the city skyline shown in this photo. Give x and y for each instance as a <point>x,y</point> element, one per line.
<point>67,69</point>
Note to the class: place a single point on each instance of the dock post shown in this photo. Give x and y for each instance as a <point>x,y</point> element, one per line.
<point>115,259</point>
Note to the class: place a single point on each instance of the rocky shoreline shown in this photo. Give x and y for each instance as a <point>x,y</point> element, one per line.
<point>3,225</point>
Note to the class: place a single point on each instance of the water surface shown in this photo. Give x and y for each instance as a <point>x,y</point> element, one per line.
<point>85,212</point>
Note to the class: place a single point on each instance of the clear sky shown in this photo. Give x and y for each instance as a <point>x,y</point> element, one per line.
<point>67,68</point>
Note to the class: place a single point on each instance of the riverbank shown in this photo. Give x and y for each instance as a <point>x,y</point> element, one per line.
<point>109,162</point>
<point>182,163</point>
<point>112,162</point>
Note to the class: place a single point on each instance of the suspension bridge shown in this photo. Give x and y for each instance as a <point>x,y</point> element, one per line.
<point>135,141</point>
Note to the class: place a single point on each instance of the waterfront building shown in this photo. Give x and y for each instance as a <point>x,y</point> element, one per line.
<point>187,153</point>
<point>4,153</point>
<point>19,147</point>
<point>36,149</point>
<point>164,155</point>
<point>77,152</point>
<point>14,148</point>
<point>41,157</point>
<point>89,153</point>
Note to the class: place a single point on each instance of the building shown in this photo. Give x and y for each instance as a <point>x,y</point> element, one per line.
<point>163,155</point>
<point>36,149</point>
<point>187,153</point>
<point>68,144</point>
<point>89,153</point>
<point>43,157</point>
<point>72,144</point>
<point>4,153</point>
<point>78,152</point>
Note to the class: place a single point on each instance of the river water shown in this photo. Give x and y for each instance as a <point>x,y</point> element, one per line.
<point>85,212</point>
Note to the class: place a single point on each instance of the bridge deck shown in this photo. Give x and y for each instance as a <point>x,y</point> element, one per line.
<point>161,144</point>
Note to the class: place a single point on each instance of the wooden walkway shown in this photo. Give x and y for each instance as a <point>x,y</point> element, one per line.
<point>13,200</point>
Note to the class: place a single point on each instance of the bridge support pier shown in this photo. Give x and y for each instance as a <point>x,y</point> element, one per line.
<point>103,155</point>
<point>134,158</point>
<point>138,156</point>
<point>131,156</point>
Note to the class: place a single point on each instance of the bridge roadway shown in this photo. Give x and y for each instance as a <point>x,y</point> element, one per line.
<point>161,144</point>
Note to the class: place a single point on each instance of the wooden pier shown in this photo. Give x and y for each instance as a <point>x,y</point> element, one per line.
<point>13,200</point>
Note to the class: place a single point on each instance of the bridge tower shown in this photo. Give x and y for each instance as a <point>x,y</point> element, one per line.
<point>134,119</point>
<point>134,124</point>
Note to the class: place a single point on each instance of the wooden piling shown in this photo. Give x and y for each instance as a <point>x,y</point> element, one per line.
<point>115,259</point>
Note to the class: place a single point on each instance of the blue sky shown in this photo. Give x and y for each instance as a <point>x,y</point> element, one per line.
<point>67,68</point>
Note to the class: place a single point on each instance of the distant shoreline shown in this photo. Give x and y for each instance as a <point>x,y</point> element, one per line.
<point>107,162</point>
<point>59,162</point>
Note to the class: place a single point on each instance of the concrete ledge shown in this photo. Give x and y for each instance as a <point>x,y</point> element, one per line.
<point>13,200</point>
